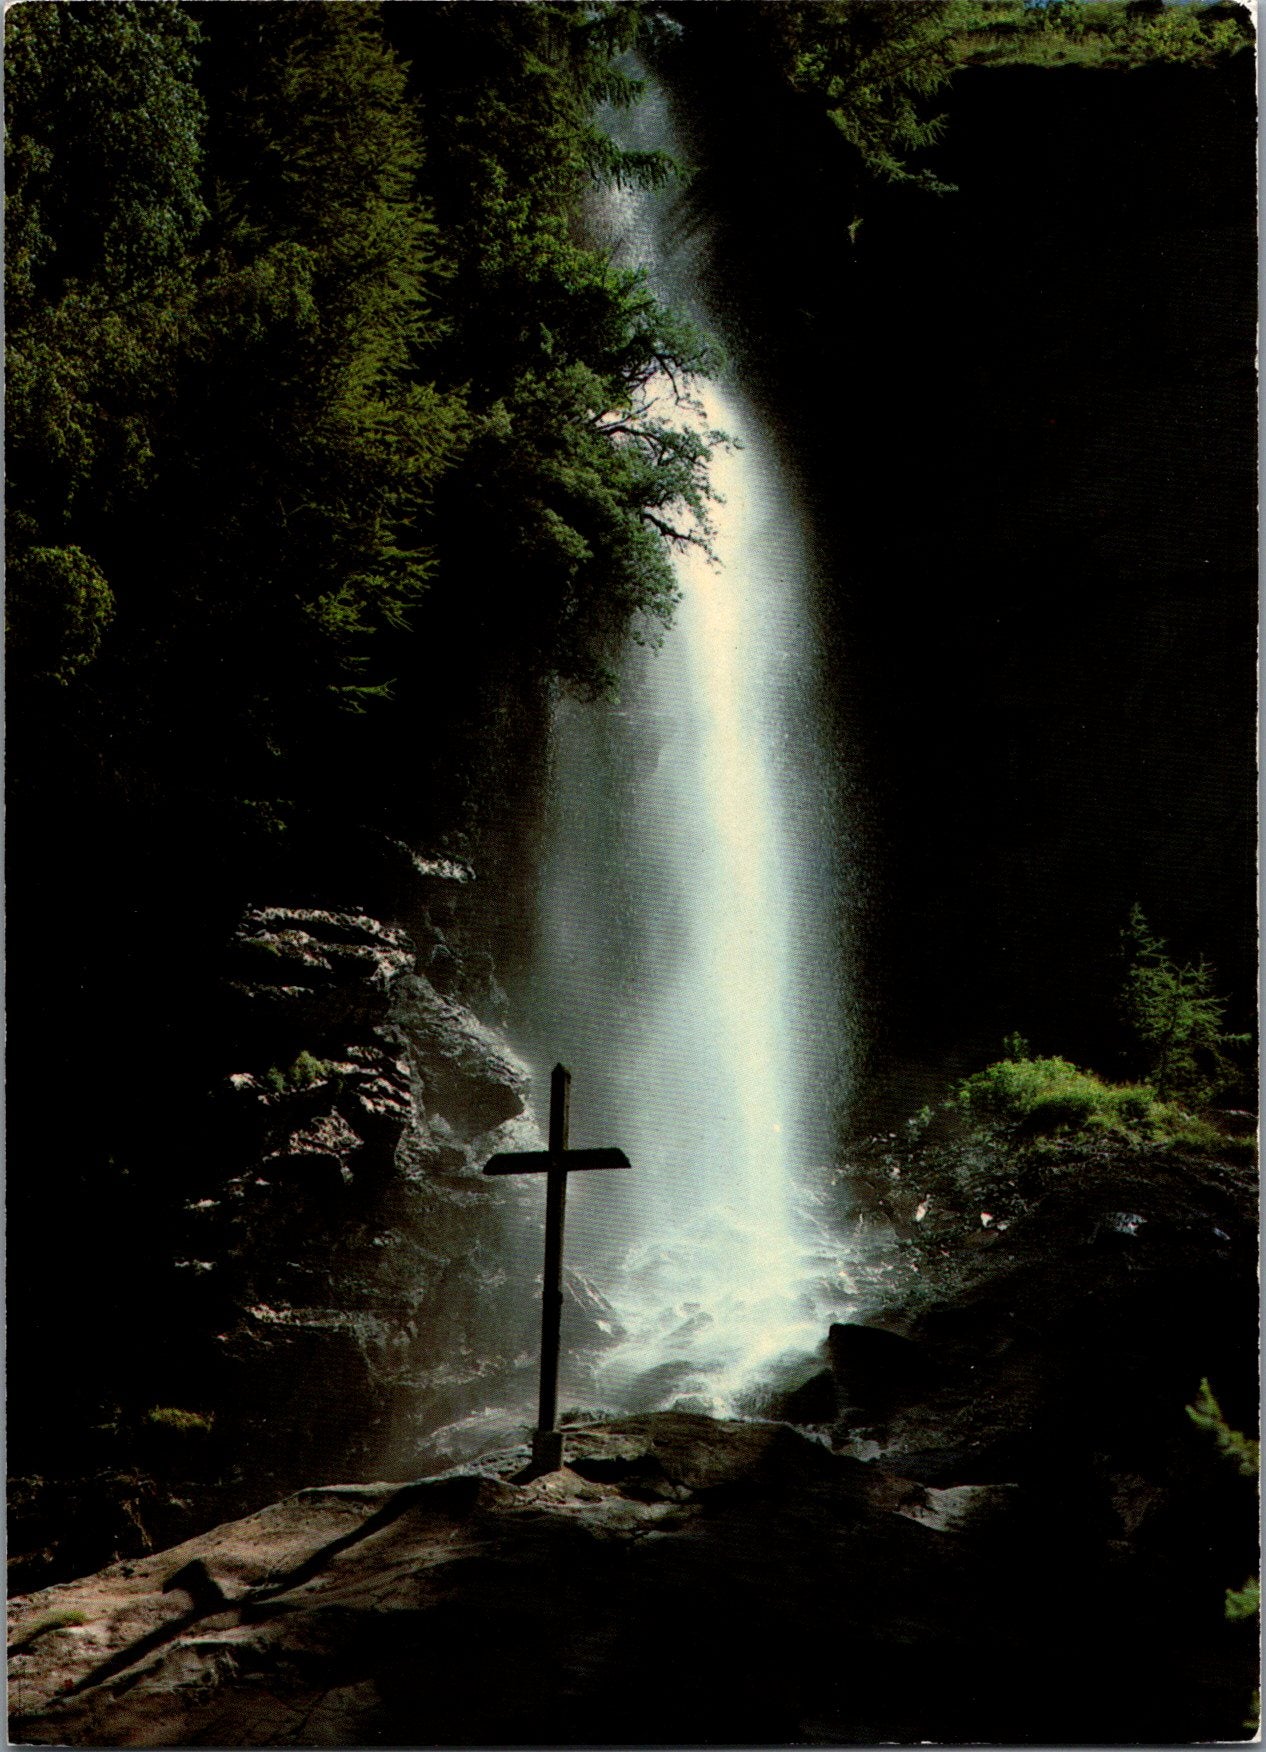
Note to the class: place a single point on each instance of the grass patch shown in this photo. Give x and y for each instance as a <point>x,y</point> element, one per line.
<point>179,1421</point>
<point>1049,1097</point>
<point>66,1618</point>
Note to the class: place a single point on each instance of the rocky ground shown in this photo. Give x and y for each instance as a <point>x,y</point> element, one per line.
<point>986,1517</point>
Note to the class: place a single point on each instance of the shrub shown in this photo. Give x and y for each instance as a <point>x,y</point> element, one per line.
<point>1042,1097</point>
<point>301,1074</point>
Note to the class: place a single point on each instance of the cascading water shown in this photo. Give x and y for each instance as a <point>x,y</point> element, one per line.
<point>688,960</point>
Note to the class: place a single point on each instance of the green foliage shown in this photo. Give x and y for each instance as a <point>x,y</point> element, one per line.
<point>305,1070</point>
<point>102,127</point>
<point>179,1421</point>
<point>1253,1720</point>
<point>304,408</point>
<point>1242,1451</point>
<point>1245,1602</point>
<point>876,68</point>
<point>1107,33</point>
<point>64,1618</point>
<point>919,1123</point>
<point>1068,16</point>
<point>1045,1097</point>
<point>871,68</point>
<point>1178,1022</point>
<point>1245,1454</point>
<point>1176,1017</point>
<point>57,608</point>
<point>1187,35</point>
<point>584,467</point>
<point>317,395</point>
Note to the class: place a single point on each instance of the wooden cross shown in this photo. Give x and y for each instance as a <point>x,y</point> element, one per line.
<point>555,1163</point>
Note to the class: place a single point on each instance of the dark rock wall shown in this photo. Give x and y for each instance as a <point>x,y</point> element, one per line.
<point>321,1284</point>
<point>1023,415</point>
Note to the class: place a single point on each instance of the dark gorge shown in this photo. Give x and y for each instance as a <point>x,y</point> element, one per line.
<point>345,472</point>
<point>1021,414</point>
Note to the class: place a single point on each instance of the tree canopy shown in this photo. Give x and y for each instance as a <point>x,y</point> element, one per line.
<point>316,382</point>
<point>104,204</point>
<point>578,471</point>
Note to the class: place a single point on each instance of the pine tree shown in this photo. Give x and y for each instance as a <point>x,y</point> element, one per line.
<point>556,530</point>
<point>1176,1017</point>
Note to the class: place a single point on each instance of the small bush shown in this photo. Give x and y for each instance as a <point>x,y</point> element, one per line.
<point>305,1070</point>
<point>1186,35</point>
<point>1044,1097</point>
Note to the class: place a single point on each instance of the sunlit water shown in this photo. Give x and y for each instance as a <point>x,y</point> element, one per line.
<point>688,959</point>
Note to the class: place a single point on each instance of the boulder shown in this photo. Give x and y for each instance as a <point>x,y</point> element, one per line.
<point>874,1369</point>
<point>324,1149</point>
<point>815,1403</point>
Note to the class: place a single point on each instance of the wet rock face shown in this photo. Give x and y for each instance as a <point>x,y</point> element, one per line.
<point>466,1076</point>
<point>359,1049</point>
<point>304,970</point>
<point>332,1292</point>
<point>354,1246</point>
<point>322,1091</point>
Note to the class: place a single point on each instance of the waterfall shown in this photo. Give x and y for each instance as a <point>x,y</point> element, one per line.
<point>688,957</point>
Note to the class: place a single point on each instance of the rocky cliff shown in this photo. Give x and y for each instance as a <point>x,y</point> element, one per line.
<point>329,1283</point>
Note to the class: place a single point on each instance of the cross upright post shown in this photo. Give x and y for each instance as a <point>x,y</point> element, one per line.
<point>555,1163</point>
<point>552,1287</point>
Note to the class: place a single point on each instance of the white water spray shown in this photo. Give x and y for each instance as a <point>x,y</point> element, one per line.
<point>688,959</point>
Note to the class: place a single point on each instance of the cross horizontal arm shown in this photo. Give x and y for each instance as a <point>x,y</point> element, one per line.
<point>541,1161</point>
